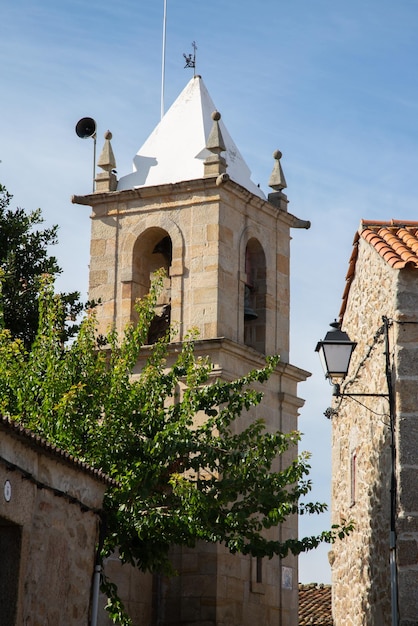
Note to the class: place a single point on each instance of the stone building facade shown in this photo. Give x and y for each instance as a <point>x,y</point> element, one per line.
<point>49,526</point>
<point>191,207</point>
<point>382,282</point>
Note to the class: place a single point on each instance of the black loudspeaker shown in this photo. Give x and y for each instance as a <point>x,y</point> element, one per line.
<point>85,128</point>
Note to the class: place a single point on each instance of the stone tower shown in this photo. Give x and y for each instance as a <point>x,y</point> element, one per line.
<point>191,207</point>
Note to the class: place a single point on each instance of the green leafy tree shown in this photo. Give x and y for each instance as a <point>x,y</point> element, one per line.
<point>24,258</point>
<point>179,480</point>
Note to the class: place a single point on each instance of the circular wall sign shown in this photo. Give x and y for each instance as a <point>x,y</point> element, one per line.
<point>7,491</point>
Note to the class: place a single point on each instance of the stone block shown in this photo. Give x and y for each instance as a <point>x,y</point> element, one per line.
<point>97,247</point>
<point>408,597</point>
<point>408,439</point>
<point>226,236</point>
<point>283,264</point>
<point>212,232</point>
<point>196,585</point>
<point>406,395</point>
<point>208,564</point>
<point>407,524</point>
<point>407,332</point>
<point>98,278</point>
<point>189,562</point>
<point>407,298</point>
<point>408,492</point>
<point>190,610</point>
<point>407,361</point>
<point>407,552</point>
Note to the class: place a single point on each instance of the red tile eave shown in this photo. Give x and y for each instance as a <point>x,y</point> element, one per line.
<point>39,443</point>
<point>396,241</point>
<point>349,276</point>
<point>315,606</point>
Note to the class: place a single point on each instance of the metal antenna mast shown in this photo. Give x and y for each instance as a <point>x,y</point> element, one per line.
<point>163,58</point>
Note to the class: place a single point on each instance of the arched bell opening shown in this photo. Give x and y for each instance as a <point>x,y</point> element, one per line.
<point>255,296</point>
<point>152,252</point>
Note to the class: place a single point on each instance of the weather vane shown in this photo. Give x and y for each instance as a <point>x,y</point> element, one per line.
<point>191,58</point>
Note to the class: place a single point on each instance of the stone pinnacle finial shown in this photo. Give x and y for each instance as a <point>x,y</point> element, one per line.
<point>106,181</point>
<point>215,140</point>
<point>107,158</point>
<point>215,164</point>
<point>277,180</point>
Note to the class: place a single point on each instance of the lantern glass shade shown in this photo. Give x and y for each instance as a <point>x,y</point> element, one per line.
<point>335,352</point>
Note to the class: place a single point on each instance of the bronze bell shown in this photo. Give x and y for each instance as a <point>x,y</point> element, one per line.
<point>249,313</point>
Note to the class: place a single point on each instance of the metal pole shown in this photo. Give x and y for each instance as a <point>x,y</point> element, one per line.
<point>163,58</point>
<point>97,573</point>
<point>392,535</point>
<point>96,591</point>
<point>94,162</point>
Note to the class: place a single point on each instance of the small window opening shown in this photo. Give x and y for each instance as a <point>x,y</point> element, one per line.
<point>259,570</point>
<point>353,478</point>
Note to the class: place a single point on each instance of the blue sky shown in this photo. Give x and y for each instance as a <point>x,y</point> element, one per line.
<point>333,85</point>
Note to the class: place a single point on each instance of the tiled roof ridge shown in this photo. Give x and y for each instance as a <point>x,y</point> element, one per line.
<point>36,441</point>
<point>389,223</point>
<point>314,585</point>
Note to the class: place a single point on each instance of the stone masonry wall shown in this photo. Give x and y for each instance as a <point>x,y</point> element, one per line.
<point>50,537</point>
<point>361,455</point>
<point>209,228</point>
<point>213,586</point>
<point>407,445</point>
<point>361,449</point>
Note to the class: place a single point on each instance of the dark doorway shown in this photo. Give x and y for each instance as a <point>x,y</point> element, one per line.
<point>10,544</point>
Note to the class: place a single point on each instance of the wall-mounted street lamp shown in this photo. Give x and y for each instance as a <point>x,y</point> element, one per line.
<point>335,352</point>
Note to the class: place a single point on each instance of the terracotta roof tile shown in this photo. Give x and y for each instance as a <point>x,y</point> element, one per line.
<point>315,605</point>
<point>396,245</point>
<point>395,241</point>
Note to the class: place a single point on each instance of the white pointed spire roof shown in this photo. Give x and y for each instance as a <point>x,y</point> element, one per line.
<point>176,150</point>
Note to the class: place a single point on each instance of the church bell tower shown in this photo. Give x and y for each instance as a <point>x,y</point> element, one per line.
<point>191,207</point>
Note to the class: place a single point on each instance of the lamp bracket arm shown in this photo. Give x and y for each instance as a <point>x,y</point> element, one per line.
<point>370,395</point>
<point>337,393</point>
